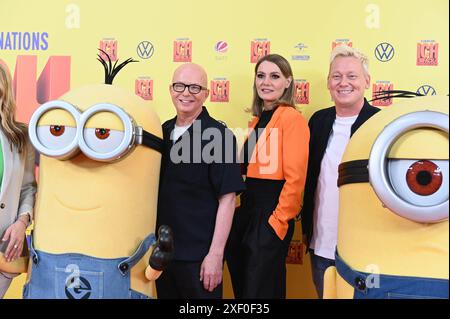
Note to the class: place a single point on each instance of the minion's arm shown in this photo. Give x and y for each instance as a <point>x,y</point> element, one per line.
<point>161,254</point>
<point>329,283</point>
<point>20,265</point>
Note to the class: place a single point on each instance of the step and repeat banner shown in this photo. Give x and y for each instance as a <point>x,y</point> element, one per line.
<point>51,47</point>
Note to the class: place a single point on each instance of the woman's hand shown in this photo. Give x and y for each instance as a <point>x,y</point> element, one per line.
<point>16,236</point>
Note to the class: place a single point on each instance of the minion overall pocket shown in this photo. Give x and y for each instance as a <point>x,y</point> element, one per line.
<point>77,276</point>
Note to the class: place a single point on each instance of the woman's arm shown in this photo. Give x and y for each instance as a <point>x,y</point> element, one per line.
<point>28,189</point>
<point>295,150</point>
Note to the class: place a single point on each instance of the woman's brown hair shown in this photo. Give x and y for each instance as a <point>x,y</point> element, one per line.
<point>287,99</point>
<point>14,131</point>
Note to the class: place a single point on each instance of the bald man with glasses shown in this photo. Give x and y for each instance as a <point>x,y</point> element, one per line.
<point>198,187</point>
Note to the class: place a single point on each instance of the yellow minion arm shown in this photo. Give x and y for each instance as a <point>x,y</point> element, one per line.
<point>329,283</point>
<point>20,265</point>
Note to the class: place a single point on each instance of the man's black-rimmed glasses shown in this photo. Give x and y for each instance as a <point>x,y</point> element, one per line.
<point>192,88</point>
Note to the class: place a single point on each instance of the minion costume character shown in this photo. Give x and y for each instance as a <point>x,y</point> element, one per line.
<point>96,204</point>
<point>393,235</point>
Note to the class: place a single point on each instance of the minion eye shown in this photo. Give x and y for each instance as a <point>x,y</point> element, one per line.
<point>56,137</point>
<point>53,129</point>
<point>414,189</point>
<point>102,133</point>
<point>57,130</point>
<point>424,178</point>
<point>102,140</point>
<point>104,143</point>
<point>420,182</point>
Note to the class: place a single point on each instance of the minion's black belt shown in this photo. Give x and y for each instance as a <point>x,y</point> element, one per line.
<point>353,172</point>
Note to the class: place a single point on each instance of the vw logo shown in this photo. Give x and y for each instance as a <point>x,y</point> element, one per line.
<point>384,52</point>
<point>426,90</point>
<point>145,50</point>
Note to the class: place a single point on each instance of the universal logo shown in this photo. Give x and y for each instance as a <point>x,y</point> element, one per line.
<point>300,57</point>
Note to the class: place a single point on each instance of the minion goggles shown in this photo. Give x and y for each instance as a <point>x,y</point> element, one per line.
<point>49,140</point>
<point>378,170</point>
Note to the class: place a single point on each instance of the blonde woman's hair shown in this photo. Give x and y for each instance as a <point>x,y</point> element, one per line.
<point>287,99</point>
<point>345,51</point>
<point>14,131</point>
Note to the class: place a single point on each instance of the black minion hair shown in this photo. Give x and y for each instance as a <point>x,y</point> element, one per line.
<point>389,94</point>
<point>110,70</point>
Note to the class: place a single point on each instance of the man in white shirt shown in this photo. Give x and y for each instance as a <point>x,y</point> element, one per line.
<point>331,129</point>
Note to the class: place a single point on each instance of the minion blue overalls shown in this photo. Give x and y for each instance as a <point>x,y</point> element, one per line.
<point>390,286</point>
<point>77,276</point>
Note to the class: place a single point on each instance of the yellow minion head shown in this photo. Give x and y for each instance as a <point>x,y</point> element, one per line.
<point>393,233</point>
<point>98,184</point>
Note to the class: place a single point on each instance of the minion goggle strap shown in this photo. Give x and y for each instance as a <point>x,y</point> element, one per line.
<point>66,139</point>
<point>416,189</point>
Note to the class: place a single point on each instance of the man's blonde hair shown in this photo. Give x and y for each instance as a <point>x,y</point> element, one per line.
<point>344,51</point>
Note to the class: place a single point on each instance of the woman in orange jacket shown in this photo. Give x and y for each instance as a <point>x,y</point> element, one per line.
<point>274,159</point>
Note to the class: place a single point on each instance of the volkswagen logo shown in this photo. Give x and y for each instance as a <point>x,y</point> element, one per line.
<point>384,52</point>
<point>426,90</point>
<point>145,50</point>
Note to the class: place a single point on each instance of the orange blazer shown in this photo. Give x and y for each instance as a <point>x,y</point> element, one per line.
<point>281,153</point>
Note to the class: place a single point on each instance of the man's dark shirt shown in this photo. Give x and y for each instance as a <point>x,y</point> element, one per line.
<point>189,190</point>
